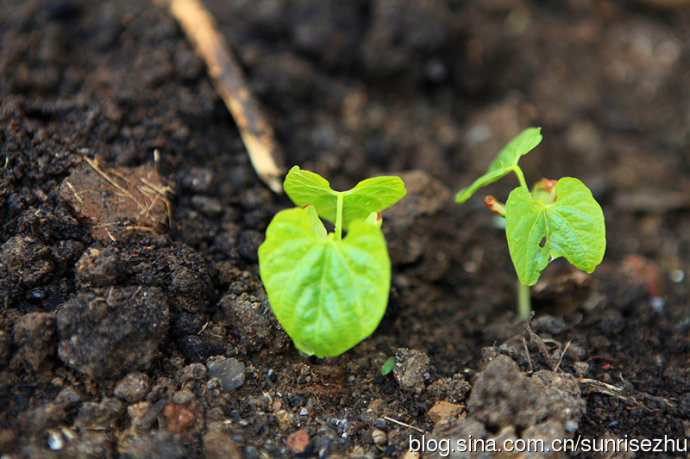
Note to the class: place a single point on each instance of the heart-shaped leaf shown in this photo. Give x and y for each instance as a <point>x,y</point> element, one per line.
<point>538,232</point>
<point>370,195</point>
<point>327,294</point>
<point>505,162</point>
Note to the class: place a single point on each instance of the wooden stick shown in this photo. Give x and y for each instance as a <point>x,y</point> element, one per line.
<point>227,76</point>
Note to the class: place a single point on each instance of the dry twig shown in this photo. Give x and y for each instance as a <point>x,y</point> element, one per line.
<point>227,76</point>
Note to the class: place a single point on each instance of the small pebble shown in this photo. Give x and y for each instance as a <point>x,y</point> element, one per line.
<point>55,440</point>
<point>657,303</point>
<point>230,372</point>
<point>380,437</point>
<point>132,387</point>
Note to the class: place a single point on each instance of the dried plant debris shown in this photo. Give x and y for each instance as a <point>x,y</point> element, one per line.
<point>117,201</point>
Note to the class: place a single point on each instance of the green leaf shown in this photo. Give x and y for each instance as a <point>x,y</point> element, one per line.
<point>370,195</point>
<point>505,162</point>
<point>327,294</point>
<point>316,224</point>
<point>571,227</point>
<point>309,189</point>
<point>387,366</point>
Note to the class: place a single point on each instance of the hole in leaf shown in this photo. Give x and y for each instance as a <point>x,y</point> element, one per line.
<point>542,243</point>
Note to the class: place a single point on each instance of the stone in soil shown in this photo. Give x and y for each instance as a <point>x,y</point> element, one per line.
<point>133,387</point>
<point>298,441</point>
<point>411,369</point>
<point>230,372</point>
<point>107,333</point>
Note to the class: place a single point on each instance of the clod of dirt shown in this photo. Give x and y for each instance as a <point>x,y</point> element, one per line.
<point>443,410</point>
<point>211,207</point>
<point>180,419</point>
<point>39,419</point>
<point>192,373</point>
<point>218,444</point>
<point>178,270</point>
<point>403,32</point>
<point>406,224</point>
<point>230,372</point>
<point>108,333</point>
<point>27,261</point>
<point>253,322</point>
<point>452,389</point>
<point>99,267</point>
<point>197,179</point>
<point>117,201</point>
<point>502,396</point>
<point>456,429</point>
<point>197,348</point>
<point>34,336</point>
<point>133,387</point>
<point>411,369</point>
<point>189,282</point>
<point>560,394</point>
<point>545,323</point>
<point>503,400</point>
<point>298,440</point>
<point>90,443</point>
<point>159,443</point>
<point>94,415</point>
<point>248,244</point>
<point>69,397</point>
<point>5,347</point>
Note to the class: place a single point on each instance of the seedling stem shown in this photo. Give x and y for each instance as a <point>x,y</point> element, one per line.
<point>521,177</point>
<point>339,217</point>
<point>524,302</point>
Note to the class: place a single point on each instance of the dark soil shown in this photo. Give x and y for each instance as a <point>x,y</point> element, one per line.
<point>133,321</point>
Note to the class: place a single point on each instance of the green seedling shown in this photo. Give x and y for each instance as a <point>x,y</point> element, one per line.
<point>558,218</point>
<point>329,292</point>
<point>387,366</point>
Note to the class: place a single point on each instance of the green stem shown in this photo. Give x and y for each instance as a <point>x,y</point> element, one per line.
<point>521,177</point>
<point>339,218</point>
<point>524,304</point>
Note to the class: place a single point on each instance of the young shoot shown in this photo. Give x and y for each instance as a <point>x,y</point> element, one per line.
<point>329,291</point>
<point>558,218</point>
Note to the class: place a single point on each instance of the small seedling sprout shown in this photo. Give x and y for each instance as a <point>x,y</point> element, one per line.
<point>558,218</point>
<point>387,366</point>
<point>329,291</point>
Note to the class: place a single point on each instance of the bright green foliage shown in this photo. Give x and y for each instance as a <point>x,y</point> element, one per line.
<point>505,163</point>
<point>557,219</point>
<point>571,227</point>
<point>387,366</point>
<point>370,195</point>
<point>328,293</point>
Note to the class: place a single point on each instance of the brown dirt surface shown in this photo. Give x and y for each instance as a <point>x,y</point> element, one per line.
<point>132,318</point>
